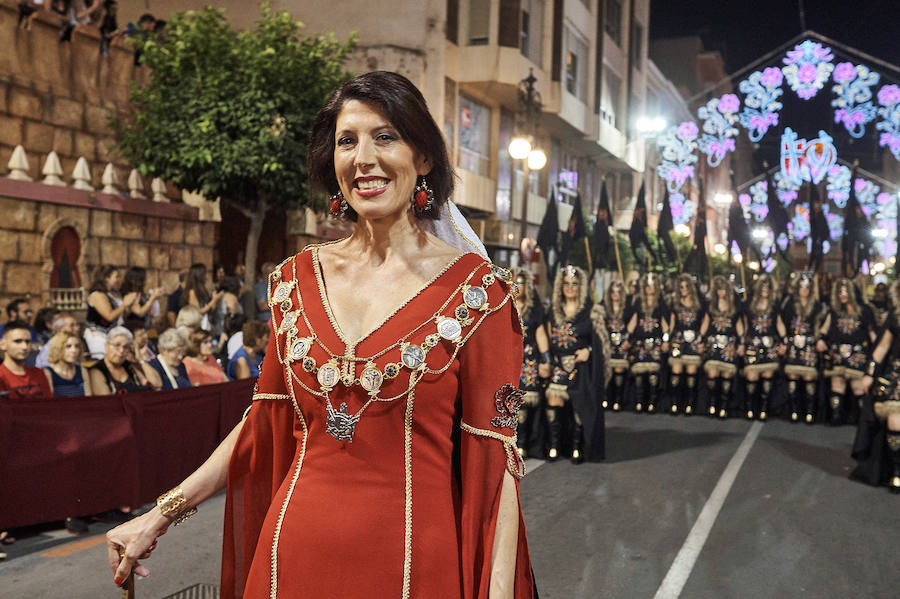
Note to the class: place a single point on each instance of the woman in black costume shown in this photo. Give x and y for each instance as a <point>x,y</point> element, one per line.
<point>685,322</point>
<point>762,346</point>
<point>802,317</point>
<point>877,446</point>
<point>722,327</point>
<point>614,314</point>
<point>648,330</point>
<point>848,335</point>
<point>535,359</point>
<point>576,368</point>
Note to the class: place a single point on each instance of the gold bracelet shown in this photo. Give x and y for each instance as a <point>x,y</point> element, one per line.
<point>172,505</point>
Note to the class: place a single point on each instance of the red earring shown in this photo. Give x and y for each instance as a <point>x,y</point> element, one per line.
<point>338,205</point>
<point>422,198</point>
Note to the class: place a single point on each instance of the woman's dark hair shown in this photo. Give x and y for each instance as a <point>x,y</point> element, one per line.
<point>101,273</point>
<point>196,280</point>
<point>234,323</point>
<point>134,280</point>
<point>231,284</point>
<point>404,107</point>
<point>254,332</point>
<point>44,319</point>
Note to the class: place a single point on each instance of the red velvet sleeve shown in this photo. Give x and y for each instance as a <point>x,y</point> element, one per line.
<point>489,373</point>
<point>261,459</point>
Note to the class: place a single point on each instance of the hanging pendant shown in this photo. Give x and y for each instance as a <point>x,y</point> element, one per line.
<point>329,375</point>
<point>475,297</point>
<point>371,378</point>
<point>449,329</point>
<point>504,274</point>
<point>282,292</point>
<point>412,356</point>
<point>287,322</point>
<point>299,348</point>
<point>339,423</point>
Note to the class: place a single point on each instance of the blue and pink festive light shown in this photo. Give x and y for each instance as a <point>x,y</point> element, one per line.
<point>853,87</point>
<point>808,67</point>
<point>719,117</point>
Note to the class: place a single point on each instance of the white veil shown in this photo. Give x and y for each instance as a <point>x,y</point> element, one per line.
<point>453,228</point>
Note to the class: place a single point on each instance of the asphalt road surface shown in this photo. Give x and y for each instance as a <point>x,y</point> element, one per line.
<point>683,507</point>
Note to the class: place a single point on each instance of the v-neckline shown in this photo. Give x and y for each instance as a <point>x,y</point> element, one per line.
<point>326,304</point>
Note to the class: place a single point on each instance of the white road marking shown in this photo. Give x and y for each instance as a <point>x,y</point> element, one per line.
<point>678,574</point>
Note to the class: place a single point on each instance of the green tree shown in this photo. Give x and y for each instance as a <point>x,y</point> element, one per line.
<point>228,113</point>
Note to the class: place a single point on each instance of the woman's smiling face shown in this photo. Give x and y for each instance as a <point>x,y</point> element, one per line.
<point>375,168</point>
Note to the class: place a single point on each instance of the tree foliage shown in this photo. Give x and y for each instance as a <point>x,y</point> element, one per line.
<point>228,112</point>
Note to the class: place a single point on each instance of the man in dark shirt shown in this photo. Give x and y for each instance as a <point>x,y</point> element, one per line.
<point>20,310</point>
<point>18,381</point>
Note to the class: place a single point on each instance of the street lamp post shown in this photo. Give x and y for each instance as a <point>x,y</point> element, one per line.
<point>521,147</point>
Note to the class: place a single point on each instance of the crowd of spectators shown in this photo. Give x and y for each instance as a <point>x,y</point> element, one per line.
<point>102,15</point>
<point>135,339</point>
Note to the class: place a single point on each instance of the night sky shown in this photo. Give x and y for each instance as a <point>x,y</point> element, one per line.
<point>744,30</point>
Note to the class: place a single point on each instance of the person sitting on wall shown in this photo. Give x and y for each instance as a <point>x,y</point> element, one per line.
<point>169,364</point>
<point>18,381</point>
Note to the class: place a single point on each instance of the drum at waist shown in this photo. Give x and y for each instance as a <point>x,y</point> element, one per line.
<point>568,363</point>
<point>689,336</point>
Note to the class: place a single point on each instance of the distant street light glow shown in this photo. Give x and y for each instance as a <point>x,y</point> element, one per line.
<point>753,265</point>
<point>759,233</point>
<point>683,229</point>
<point>519,148</point>
<point>723,198</point>
<point>738,258</point>
<point>879,233</point>
<point>650,125</point>
<point>720,248</point>
<point>536,159</point>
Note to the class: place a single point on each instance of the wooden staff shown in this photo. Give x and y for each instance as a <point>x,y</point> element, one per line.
<point>743,277</point>
<point>127,586</point>
<point>708,261</point>
<point>587,251</point>
<point>615,239</point>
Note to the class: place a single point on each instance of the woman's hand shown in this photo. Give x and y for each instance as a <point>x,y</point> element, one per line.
<point>138,538</point>
<point>582,355</point>
<point>741,351</point>
<point>544,371</point>
<point>821,346</point>
<point>665,347</point>
<point>866,383</point>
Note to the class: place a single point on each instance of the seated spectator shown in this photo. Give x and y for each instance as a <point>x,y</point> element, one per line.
<point>114,373</point>
<point>62,323</point>
<point>189,320</point>
<point>234,326</point>
<point>169,363</point>
<point>27,10</point>
<point>19,310</point>
<point>202,366</point>
<point>43,321</point>
<point>17,380</point>
<point>140,302</point>
<point>245,363</point>
<point>66,374</point>
<point>142,349</point>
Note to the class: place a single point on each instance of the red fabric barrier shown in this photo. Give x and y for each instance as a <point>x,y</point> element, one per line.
<point>64,457</point>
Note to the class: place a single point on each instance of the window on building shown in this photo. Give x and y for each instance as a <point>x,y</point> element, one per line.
<point>531,29</point>
<point>479,22</point>
<point>576,65</point>
<point>613,23</point>
<point>609,111</point>
<point>474,136</point>
<point>637,45</point>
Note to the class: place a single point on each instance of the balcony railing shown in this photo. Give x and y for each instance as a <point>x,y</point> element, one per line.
<point>68,300</point>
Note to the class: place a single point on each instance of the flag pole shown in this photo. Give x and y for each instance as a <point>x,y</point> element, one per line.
<point>618,258</point>
<point>587,251</point>
<point>743,276</point>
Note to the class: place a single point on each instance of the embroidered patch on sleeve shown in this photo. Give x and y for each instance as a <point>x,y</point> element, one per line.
<point>507,400</point>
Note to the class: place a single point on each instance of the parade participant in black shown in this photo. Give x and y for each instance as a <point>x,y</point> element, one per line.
<point>722,327</point>
<point>802,317</point>
<point>762,346</point>
<point>648,330</point>
<point>573,339</point>
<point>877,445</point>
<point>535,360</point>
<point>685,322</point>
<point>847,335</point>
<point>614,314</point>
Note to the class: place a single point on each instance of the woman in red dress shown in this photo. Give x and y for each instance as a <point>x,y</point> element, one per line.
<point>378,457</point>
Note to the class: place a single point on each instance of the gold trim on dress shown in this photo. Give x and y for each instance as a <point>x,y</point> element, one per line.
<point>258,396</point>
<point>514,463</point>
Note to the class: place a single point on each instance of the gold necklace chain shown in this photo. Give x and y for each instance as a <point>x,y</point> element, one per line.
<point>340,424</point>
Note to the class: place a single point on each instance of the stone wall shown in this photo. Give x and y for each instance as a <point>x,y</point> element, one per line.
<point>59,97</point>
<point>163,238</point>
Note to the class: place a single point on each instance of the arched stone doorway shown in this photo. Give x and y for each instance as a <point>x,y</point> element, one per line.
<point>64,248</point>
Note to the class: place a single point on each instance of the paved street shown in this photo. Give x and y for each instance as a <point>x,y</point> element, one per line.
<point>790,525</point>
